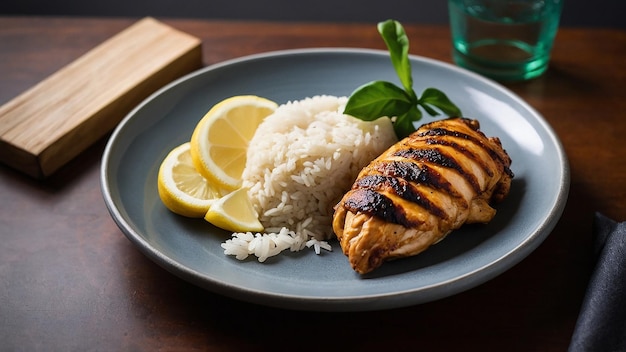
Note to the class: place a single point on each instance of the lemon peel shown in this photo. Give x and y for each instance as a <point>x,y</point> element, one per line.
<point>234,212</point>
<point>219,142</point>
<point>182,189</point>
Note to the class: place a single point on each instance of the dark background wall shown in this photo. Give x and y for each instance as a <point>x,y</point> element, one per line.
<point>596,13</point>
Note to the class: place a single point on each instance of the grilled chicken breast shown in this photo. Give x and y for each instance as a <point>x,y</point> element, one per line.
<point>445,174</point>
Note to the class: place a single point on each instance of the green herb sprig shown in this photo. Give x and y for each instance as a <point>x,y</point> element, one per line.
<point>380,98</point>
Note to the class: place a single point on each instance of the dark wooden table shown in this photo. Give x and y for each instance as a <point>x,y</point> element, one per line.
<point>70,280</point>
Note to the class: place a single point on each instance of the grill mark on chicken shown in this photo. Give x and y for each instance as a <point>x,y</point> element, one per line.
<point>440,158</point>
<point>406,170</point>
<point>370,202</point>
<point>401,188</point>
<point>439,131</point>
<point>413,172</point>
<point>461,149</point>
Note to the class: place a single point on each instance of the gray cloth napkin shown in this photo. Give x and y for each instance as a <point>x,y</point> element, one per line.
<point>601,324</point>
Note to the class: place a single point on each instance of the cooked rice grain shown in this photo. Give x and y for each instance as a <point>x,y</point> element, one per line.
<point>301,160</point>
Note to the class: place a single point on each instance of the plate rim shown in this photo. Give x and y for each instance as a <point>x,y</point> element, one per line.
<point>388,300</point>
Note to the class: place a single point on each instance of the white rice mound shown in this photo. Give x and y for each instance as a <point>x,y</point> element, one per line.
<point>300,162</point>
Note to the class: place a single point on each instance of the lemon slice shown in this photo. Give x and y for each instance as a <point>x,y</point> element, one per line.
<point>181,187</point>
<point>234,212</point>
<point>219,142</point>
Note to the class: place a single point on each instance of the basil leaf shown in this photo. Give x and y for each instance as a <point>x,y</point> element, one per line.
<point>438,99</point>
<point>403,126</point>
<point>377,99</point>
<point>397,42</point>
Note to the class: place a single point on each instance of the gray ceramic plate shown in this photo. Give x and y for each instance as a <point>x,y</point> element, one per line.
<point>190,248</point>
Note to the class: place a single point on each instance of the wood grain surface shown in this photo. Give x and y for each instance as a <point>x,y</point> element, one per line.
<point>70,280</point>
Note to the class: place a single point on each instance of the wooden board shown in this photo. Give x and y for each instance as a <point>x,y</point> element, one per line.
<point>51,123</point>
